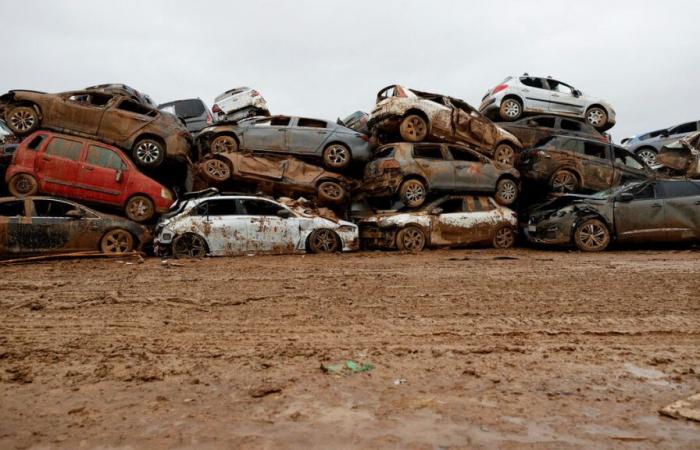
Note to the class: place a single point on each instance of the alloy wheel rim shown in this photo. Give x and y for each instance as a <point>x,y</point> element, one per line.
<point>332,191</point>
<point>595,117</point>
<point>506,155</point>
<point>23,185</point>
<point>413,239</point>
<point>592,236</point>
<point>337,155</point>
<point>564,182</point>
<point>139,208</point>
<point>504,236</point>
<point>415,127</point>
<point>223,144</point>
<point>117,242</point>
<point>148,152</point>
<point>414,192</point>
<point>217,169</point>
<point>22,120</point>
<point>324,240</point>
<point>507,191</point>
<point>512,108</point>
<point>648,156</point>
<point>190,246</point>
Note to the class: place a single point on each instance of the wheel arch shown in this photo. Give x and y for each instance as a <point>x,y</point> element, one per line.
<point>586,215</point>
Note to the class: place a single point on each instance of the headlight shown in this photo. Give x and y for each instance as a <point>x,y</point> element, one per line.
<point>166,194</point>
<point>167,237</point>
<point>562,212</point>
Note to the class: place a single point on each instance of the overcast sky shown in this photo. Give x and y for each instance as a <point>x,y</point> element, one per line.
<point>329,58</point>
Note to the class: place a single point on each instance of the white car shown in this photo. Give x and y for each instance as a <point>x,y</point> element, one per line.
<point>516,96</point>
<point>227,225</point>
<point>239,103</point>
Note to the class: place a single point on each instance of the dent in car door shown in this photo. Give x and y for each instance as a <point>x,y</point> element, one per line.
<point>123,119</point>
<point>73,111</point>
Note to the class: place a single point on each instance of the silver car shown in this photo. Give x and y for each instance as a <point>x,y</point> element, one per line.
<point>526,94</point>
<point>648,145</point>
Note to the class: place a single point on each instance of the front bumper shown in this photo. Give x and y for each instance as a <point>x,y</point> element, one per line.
<point>550,231</point>
<point>350,239</point>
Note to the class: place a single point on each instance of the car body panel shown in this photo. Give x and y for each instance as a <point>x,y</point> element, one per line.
<point>238,103</point>
<point>682,156</point>
<point>533,129</point>
<point>193,111</point>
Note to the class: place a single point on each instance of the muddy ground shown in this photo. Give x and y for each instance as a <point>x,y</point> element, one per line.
<point>470,348</point>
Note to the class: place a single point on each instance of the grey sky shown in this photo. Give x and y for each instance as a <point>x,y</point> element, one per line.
<point>327,59</point>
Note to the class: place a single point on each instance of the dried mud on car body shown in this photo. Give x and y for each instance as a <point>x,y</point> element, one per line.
<point>470,349</point>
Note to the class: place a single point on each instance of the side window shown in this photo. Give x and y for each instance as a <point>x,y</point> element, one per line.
<point>427,151</point>
<point>12,208</point>
<point>136,108</point>
<point>385,152</point>
<point>675,189</point>
<point>104,157</point>
<point>279,121</point>
<point>532,82</point>
<point>99,100</point>
<point>51,208</point>
<point>453,205</point>
<point>460,154</point>
<point>685,128</point>
<point>645,193</point>
<point>593,149</point>
<point>311,123</point>
<point>216,207</point>
<point>625,158</point>
<point>571,145</point>
<point>64,148</point>
<point>570,125</point>
<point>260,208</point>
<point>558,86</point>
<point>36,142</point>
<point>546,122</point>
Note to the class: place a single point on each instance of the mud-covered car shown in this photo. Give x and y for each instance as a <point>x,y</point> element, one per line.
<point>32,225</point>
<point>641,211</point>
<point>416,116</point>
<point>276,175</point>
<point>452,221</point>
<point>146,133</point>
<point>648,145</point>
<point>572,164</point>
<point>239,103</point>
<point>193,111</point>
<point>125,90</point>
<point>413,171</point>
<point>534,129</point>
<point>227,225</point>
<point>682,157</point>
<point>356,121</point>
<point>336,146</point>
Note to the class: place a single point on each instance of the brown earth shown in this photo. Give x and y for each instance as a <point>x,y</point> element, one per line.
<point>470,348</point>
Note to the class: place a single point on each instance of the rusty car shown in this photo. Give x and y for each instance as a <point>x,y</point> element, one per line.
<point>86,170</point>
<point>413,171</point>
<point>334,145</point>
<point>664,210</point>
<point>114,118</point>
<point>124,90</point>
<point>44,225</point>
<point>452,221</point>
<point>276,175</point>
<point>532,130</point>
<point>572,164</point>
<point>416,116</point>
<point>681,157</point>
<point>228,225</point>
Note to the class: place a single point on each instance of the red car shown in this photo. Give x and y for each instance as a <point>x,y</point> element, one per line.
<point>82,169</point>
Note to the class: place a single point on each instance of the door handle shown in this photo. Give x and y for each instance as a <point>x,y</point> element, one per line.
<point>657,205</point>
<point>555,95</point>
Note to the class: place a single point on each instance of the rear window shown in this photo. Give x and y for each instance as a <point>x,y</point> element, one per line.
<point>136,108</point>
<point>63,148</point>
<point>189,108</point>
<point>51,208</point>
<point>311,123</point>
<point>12,209</point>
<point>546,122</point>
<point>427,151</point>
<point>571,125</point>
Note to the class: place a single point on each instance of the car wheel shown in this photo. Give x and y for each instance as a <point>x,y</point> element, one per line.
<point>331,192</point>
<point>504,154</point>
<point>139,208</point>
<point>336,157</point>
<point>648,155</point>
<point>410,239</point>
<point>504,238</point>
<point>323,240</point>
<point>564,181</point>
<point>216,170</point>
<point>412,193</point>
<point>22,120</point>
<point>223,144</point>
<point>506,191</point>
<point>23,184</point>
<point>597,117</point>
<point>592,236</point>
<point>510,110</point>
<point>117,241</point>
<point>189,245</point>
<point>149,153</point>
<point>413,128</point>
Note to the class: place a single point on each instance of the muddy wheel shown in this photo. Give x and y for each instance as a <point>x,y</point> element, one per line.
<point>23,184</point>
<point>189,245</point>
<point>139,208</point>
<point>336,157</point>
<point>323,240</point>
<point>22,120</point>
<point>410,239</point>
<point>117,241</point>
<point>510,110</point>
<point>413,128</point>
<point>216,170</point>
<point>505,154</point>
<point>564,181</point>
<point>592,236</point>
<point>597,117</point>
<point>648,155</point>
<point>148,153</point>
<point>224,144</point>
<point>331,192</point>
<point>506,191</point>
<point>504,238</point>
<point>412,193</point>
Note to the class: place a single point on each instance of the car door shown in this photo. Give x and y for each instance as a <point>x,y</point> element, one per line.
<point>627,166</point>
<point>221,222</point>
<point>536,94</point>
<point>268,232</point>
<point>642,218</point>
<point>12,217</point>
<point>58,166</point>
<point>532,130</point>
<point>596,168</point>
<point>681,199</point>
<point>471,174</point>
<point>461,221</point>
<point>77,111</point>
<point>51,230</point>
<point>562,99</point>
<point>103,175</point>
<point>307,136</point>
<point>269,134</point>
<point>433,164</point>
<point>123,119</point>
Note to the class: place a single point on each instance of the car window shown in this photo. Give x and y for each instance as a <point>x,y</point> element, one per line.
<point>217,207</point>
<point>385,152</point>
<point>427,151</point>
<point>99,99</point>
<point>624,157</point>
<point>104,157</point>
<point>532,82</point>
<point>646,192</point>
<point>311,123</point>
<point>51,208</point>
<point>12,208</point>
<point>36,142</point>
<point>558,86</point>
<point>478,204</point>
<point>187,109</point>
<point>594,149</point>
<point>168,109</point>
<point>64,148</point>
<point>260,207</point>
<point>461,154</point>
<point>274,121</point>
<point>570,125</point>
<point>546,122</point>
<point>453,205</point>
<point>571,145</point>
<point>674,189</point>
<point>684,128</point>
<point>136,108</point>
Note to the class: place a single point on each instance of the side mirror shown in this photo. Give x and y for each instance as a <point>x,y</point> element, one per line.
<point>436,211</point>
<point>284,213</point>
<point>118,176</point>
<point>665,133</point>
<point>531,123</point>
<point>74,214</point>
<point>625,197</point>
<point>577,93</point>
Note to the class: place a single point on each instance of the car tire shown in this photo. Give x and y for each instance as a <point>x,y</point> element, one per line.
<point>117,241</point>
<point>597,117</point>
<point>336,157</point>
<point>323,240</point>
<point>22,119</point>
<point>23,184</point>
<point>511,109</point>
<point>413,193</point>
<point>410,239</point>
<point>506,191</point>
<point>648,154</point>
<point>223,143</point>
<point>216,170</point>
<point>148,153</point>
<point>330,192</point>
<point>413,128</point>
<point>504,238</point>
<point>592,235</point>
<point>505,154</point>
<point>564,181</point>
<point>139,208</point>
<point>189,245</point>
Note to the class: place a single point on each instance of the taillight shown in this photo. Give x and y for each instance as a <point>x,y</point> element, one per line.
<point>254,93</point>
<point>499,88</point>
<point>209,119</point>
<point>216,108</point>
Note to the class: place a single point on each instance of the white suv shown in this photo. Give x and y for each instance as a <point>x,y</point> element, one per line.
<point>239,103</point>
<point>516,96</point>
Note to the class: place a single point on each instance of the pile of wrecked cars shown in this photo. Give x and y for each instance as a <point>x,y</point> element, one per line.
<point>106,169</point>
